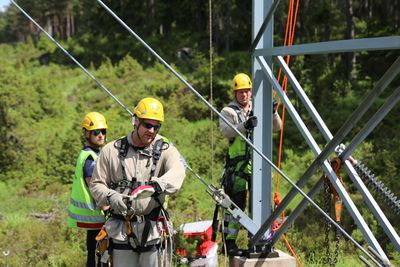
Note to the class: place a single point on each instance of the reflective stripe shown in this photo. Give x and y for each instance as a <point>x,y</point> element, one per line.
<point>229,218</point>
<point>89,225</point>
<point>95,219</point>
<point>230,231</point>
<point>90,206</point>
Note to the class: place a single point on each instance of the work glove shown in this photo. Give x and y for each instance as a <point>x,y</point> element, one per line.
<point>157,188</point>
<point>250,123</point>
<point>274,106</point>
<point>117,203</point>
<point>142,191</point>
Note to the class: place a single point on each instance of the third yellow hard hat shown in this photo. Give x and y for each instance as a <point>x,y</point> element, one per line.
<point>93,121</point>
<point>149,108</point>
<point>241,81</point>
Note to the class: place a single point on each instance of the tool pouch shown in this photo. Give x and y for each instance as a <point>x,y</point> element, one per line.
<point>102,245</point>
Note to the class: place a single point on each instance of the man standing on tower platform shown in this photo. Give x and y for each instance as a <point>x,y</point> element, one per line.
<point>238,168</point>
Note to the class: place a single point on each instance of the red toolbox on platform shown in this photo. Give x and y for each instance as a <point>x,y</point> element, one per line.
<point>201,231</point>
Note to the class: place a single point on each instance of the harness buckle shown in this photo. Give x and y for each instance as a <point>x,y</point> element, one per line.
<point>140,218</point>
<point>123,183</point>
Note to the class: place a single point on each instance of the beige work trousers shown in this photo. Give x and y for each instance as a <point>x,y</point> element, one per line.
<point>129,258</point>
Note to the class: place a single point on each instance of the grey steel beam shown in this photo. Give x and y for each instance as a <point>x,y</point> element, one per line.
<point>353,45</point>
<point>264,25</point>
<point>261,200</point>
<point>371,124</point>
<point>312,111</point>
<point>373,205</point>
<point>351,207</point>
<point>297,211</point>
<point>390,74</point>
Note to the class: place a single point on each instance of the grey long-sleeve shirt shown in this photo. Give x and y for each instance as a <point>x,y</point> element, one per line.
<point>238,120</point>
<point>169,173</point>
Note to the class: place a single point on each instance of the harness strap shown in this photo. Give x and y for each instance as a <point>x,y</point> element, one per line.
<point>237,110</point>
<point>152,216</point>
<point>123,151</point>
<point>124,183</point>
<point>232,162</point>
<point>146,231</point>
<point>243,158</point>
<point>127,246</point>
<point>129,186</point>
<point>156,155</point>
<point>131,234</point>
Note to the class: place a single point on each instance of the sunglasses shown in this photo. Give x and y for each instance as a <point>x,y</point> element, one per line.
<point>150,126</point>
<point>98,131</point>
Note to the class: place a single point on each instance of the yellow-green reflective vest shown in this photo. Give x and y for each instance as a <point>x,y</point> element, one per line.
<point>82,210</point>
<point>237,148</point>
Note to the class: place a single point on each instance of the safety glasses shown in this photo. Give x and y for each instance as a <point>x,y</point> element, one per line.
<point>150,126</point>
<point>98,131</point>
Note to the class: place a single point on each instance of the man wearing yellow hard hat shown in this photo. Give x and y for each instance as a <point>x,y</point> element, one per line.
<point>83,213</point>
<point>134,175</point>
<point>239,112</point>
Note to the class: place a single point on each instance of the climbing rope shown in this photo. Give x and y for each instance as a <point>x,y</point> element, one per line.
<point>211,88</point>
<point>291,249</point>
<point>288,41</point>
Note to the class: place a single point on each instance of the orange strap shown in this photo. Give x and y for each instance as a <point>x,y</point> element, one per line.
<point>336,164</point>
<point>292,251</point>
<point>290,27</point>
<point>289,37</point>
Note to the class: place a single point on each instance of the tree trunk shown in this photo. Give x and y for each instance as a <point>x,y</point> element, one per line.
<point>350,34</point>
<point>72,23</point>
<point>151,15</point>
<point>68,25</point>
<point>396,7</point>
<point>226,27</point>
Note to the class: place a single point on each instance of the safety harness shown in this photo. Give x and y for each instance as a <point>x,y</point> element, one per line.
<point>127,187</point>
<point>231,163</point>
<point>230,172</point>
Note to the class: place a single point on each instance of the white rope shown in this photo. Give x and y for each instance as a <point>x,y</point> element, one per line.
<point>211,90</point>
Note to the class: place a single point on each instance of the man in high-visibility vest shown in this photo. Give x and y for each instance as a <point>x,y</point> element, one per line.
<point>134,175</point>
<point>83,213</point>
<point>238,170</point>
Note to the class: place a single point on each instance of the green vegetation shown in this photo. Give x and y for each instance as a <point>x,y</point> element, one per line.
<point>43,98</point>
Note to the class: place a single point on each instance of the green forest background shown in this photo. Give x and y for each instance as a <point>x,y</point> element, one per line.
<point>44,96</point>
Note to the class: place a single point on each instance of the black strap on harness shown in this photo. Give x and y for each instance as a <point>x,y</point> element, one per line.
<point>230,163</point>
<point>156,155</point>
<point>123,151</point>
<point>132,185</point>
<point>127,246</point>
<point>230,169</point>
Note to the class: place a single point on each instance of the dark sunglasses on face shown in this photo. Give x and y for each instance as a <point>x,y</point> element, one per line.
<point>150,126</point>
<point>98,131</point>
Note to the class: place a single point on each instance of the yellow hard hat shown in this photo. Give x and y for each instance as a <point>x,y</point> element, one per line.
<point>241,81</point>
<point>93,121</point>
<point>149,108</point>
